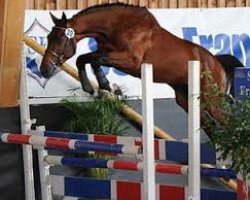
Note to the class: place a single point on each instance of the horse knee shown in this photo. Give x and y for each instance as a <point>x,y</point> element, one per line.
<point>80,62</point>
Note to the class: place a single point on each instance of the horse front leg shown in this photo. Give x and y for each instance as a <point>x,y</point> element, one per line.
<point>80,63</point>
<point>101,78</point>
<point>122,60</point>
<point>95,60</point>
<point>112,59</point>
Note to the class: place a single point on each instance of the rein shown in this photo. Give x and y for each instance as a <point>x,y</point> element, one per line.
<point>70,34</point>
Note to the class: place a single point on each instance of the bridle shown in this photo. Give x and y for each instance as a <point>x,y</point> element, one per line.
<point>70,34</point>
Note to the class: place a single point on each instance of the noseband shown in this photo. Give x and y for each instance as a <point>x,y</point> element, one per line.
<point>70,34</point>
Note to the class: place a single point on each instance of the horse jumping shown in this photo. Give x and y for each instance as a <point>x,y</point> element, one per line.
<point>132,36</point>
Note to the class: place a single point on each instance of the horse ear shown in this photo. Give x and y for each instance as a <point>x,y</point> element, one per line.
<point>54,19</point>
<point>64,18</point>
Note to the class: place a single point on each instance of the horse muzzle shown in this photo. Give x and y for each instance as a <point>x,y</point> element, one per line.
<point>47,69</point>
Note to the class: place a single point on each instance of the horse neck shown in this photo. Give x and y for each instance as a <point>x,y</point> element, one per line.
<point>89,25</point>
<point>94,23</point>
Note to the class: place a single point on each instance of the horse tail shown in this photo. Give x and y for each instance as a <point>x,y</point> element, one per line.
<point>229,62</point>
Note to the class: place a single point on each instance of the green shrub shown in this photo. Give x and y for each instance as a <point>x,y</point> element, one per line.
<point>96,117</point>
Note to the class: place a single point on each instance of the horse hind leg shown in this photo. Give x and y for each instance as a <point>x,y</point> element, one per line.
<point>181,93</point>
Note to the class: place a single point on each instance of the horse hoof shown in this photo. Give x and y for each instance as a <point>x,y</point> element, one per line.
<point>96,94</point>
<point>99,94</point>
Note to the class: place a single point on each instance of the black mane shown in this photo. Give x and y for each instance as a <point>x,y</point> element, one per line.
<point>106,6</point>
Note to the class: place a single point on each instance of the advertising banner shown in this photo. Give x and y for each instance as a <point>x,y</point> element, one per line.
<point>242,81</point>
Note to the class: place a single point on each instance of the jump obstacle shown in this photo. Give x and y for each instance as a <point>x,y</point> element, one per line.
<point>135,166</point>
<point>109,187</point>
<point>125,110</point>
<point>73,186</point>
<point>176,151</point>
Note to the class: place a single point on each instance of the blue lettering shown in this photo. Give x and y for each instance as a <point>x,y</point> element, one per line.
<point>248,75</point>
<point>222,43</point>
<point>236,44</point>
<point>238,41</point>
<point>206,41</point>
<point>189,33</point>
<point>237,49</point>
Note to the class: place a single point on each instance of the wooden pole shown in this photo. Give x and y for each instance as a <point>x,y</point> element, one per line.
<point>11,46</point>
<point>61,4</point>
<point>11,29</point>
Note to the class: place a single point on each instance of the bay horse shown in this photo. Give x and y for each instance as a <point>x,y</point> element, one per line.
<point>128,36</point>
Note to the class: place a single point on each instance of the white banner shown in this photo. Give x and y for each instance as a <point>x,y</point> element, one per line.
<point>221,31</point>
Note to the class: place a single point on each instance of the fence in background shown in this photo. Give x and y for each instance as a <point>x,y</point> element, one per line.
<point>80,4</point>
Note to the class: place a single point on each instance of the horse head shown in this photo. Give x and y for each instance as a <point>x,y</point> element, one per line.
<point>61,46</point>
